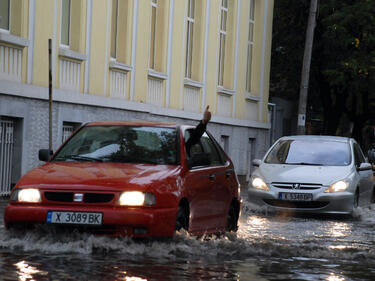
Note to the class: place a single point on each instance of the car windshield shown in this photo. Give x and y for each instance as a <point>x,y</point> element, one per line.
<point>124,144</point>
<point>310,152</point>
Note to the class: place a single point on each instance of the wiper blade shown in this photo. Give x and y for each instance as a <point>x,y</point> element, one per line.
<point>305,163</point>
<point>133,160</point>
<point>80,157</point>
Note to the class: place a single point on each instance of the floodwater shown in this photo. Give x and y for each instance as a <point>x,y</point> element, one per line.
<point>266,247</point>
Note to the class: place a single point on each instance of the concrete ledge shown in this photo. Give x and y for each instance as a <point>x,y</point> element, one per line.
<point>41,93</point>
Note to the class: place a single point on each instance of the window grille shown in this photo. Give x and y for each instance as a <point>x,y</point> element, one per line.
<point>6,156</point>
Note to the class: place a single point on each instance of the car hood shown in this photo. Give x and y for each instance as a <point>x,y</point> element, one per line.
<point>98,176</point>
<point>324,175</point>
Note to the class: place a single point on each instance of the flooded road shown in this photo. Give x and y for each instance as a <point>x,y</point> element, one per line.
<point>267,247</point>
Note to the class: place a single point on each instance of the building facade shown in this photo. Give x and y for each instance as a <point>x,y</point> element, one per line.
<point>160,60</point>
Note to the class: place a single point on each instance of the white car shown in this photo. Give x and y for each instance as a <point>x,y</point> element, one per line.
<point>313,174</point>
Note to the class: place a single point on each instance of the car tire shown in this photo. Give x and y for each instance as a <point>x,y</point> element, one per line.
<point>373,196</point>
<point>182,218</point>
<point>356,199</point>
<point>232,219</point>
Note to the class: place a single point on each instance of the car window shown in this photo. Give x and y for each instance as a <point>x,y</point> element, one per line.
<point>125,144</point>
<point>204,145</point>
<point>310,152</point>
<point>358,155</point>
<point>210,148</point>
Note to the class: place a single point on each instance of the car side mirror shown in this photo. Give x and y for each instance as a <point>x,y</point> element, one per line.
<point>45,154</point>
<point>364,167</point>
<point>199,159</point>
<point>256,162</point>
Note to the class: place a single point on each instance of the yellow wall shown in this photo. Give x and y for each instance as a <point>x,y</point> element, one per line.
<point>98,46</point>
<point>44,15</point>
<point>48,25</point>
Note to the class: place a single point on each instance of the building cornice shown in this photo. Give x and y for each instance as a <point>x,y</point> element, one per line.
<point>41,93</point>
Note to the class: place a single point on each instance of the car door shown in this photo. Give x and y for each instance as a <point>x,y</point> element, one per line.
<point>365,177</point>
<point>199,183</point>
<point>222,174</point>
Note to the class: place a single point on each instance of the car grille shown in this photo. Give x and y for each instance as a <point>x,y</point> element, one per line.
<point>302,186</point>
<point>296,204</point>
<point>87,197</point>
<point>59,196</point>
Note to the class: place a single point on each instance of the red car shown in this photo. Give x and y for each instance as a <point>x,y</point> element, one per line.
<point>135,179</point>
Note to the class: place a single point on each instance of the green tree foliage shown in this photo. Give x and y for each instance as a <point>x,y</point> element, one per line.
<point>342,76</point>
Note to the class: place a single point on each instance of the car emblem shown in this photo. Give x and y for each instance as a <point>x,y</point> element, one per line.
<point>296,186</point>
<point>78,197</point>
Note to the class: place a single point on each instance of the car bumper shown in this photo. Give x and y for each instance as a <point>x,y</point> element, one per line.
<point>117,221</point>
<point>322,203</point>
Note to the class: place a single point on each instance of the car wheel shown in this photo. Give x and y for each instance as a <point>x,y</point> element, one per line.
<point>182,219</point>
<point>356,199</point>
<point>373,196</point>
<point>232,219</point>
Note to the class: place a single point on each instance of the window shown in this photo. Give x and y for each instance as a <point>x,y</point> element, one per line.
<point>114,28</point>
<point>4,14</point>
<point>204,146</point>
<point>154,5</point>
<point>189,38</point>
<point>310,152</point>
<point>124,144</point>
<point>222,38</point>
<point>358,155</point>
<point>68,129</point>
<point>65,22</point>
<point>250,44</point>
<point>225,143</point>
<point>211,150</point>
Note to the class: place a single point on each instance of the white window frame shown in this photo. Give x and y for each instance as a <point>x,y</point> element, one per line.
<point>189,38</point>
<point>9,21</point>
<point>114,40</point>
<point>222,40</point>
<point>153,25</point>
<point>250,45</point>
<point>69,29</point>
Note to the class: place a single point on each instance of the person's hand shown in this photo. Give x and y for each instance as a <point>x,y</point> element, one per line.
<point>206,115</point>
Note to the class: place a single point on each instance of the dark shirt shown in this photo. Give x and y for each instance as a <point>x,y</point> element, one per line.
<point>195,136</point>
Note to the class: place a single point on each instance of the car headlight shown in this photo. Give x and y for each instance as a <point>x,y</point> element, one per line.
<point>259,184</point>
<point>136,198</point>
<point>27,195</point>
<point>338,186</point>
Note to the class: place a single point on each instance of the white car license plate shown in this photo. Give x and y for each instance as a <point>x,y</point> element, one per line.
<point>74,218</point>
<point>290,196</point>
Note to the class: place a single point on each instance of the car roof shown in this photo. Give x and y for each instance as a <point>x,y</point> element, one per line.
<point>317,138</point>
<point>132,123</point>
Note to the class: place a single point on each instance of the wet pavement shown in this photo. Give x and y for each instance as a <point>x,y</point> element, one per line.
<point>266,247</point>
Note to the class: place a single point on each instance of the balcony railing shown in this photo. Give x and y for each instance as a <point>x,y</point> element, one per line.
<point>70,73</point>
<point>224,105</point>
<point>155,91</point>
<point>117,87</point>
<point>192,98</point>
<point>252,110</point>
<point>10,63</point>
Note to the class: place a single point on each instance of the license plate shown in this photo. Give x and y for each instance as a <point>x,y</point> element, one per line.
<point>295,196</point>
<point>74,218</point>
